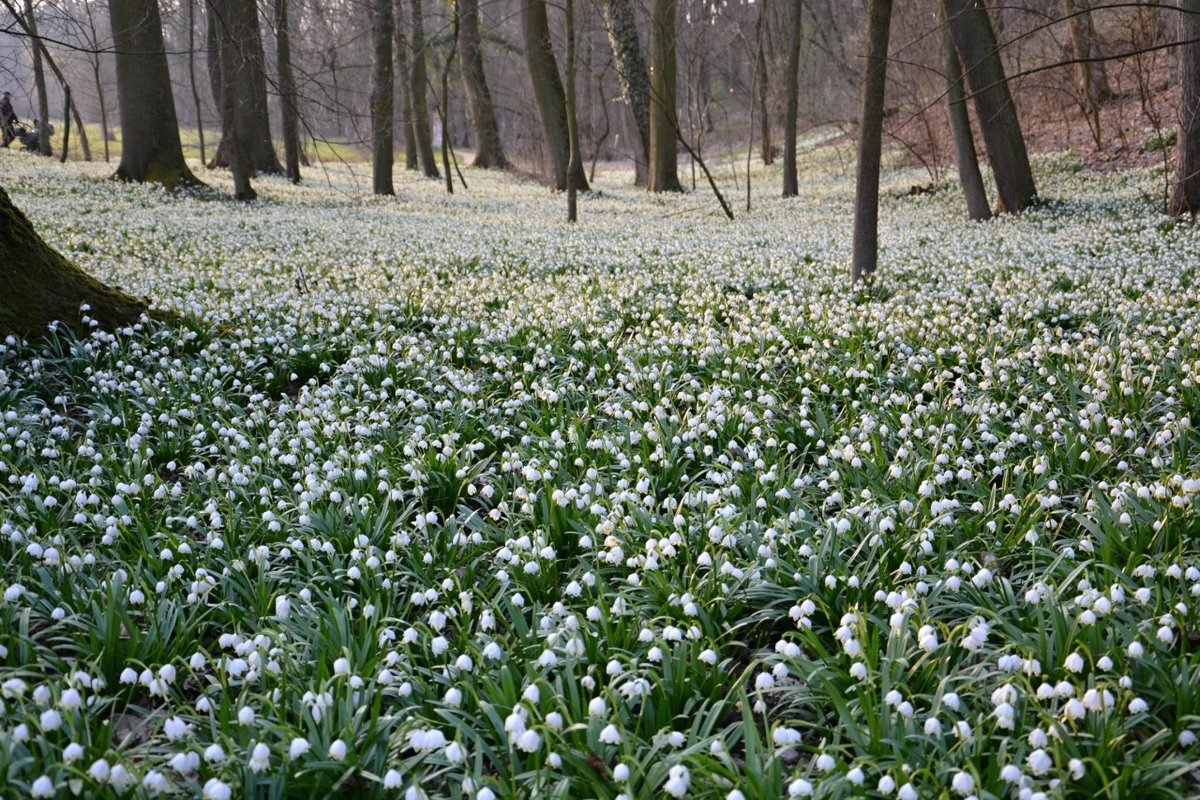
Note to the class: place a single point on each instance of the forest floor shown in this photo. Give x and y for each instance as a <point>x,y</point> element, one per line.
<point>441,495</point>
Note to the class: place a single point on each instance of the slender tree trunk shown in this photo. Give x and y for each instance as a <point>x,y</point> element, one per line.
<point>41,287</point>
<point>238,26</point>
<point>764,89</point>
<point>1185,199</point>
<point>104,132</point>
<point>1092,77</point>
<point>574,167</point>
<point>621,21</point>
<point>664,171</point>
<point>870,144</point>
<point>191,23</point>
<point>444,104</point>
<point>489,151</point>
<point>976,43</point>
<point>791,186</point>
<point>39,80</point>
<point>66,124</point>
<point>289,108</point>
<point>404,81</point>
<point>419,92</point>
<point>150,149</point>
<point>964,140</point>
<point>549,95</point>
<point>382,97</point>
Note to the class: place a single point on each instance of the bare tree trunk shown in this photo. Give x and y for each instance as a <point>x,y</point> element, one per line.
<point>1185,199</point>
<point>621,21</point>
<point>41,287</point>
<point>419,93</point>
<point>548,94</point>
<point>237,112</point>
<point>964,140</point>
<point>664,170</point>
<point>382,97</point>
<point>976,42</point>
<point>191,23</point>
<point>404,81</point>
<point>489,150</point>
<point>574,167</point>
<point>870,144</point>
<point>764,90</point>
<point>95,63</point>
<point>150,150</point>
<point>791,186</point>
<point>66,123</point>
<point>39,81</point>
<point>1092,76</point>
<point>288,98</point>
<point>236,24</point>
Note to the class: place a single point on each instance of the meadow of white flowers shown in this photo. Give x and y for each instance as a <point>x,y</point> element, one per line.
<point>439,497</point>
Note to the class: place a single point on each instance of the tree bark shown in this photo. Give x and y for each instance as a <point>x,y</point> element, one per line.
<point>621,21</point>
<point>289,100</point>
<point>549,95</point>
<point>870,144</point>
<point>235,28</point>
<point>575,165</point>
<point>791,186</point>
<point>1092,77</point>
<point>404,81</point>
<point>960,126</point>
<point>191,23</point>
<point>41,287</point>
<point>39,81</point>
<point>489,150</point>
<point>1185,199</point>
<point>382,97</point>
<point>975,40</point>
<point>150,149</point>
<point>239,115</point>
<point>764,90</point>
<point>664,171</point>
<point>419,93</point>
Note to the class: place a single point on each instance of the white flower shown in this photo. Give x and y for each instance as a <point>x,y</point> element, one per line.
<point>963,783</point>
<point>1074,662</point>
<point>529,741</point>
<point>610,734</point>
<point>337,750</point>
<point>455,753</point>
<point>298,747</point>
<point>800,788</point>
<point>43,786</point>
<point>216,790</point>
<point>677,781</point>
<point>260,758</point>
<point>1039,762</point>
<point>393,779</point>
<point>621,773</point>
<point>907,792</point>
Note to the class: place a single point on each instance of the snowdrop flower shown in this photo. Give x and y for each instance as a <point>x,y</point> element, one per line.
<point>260,758</point>
<point>529,741</point>
<point>337,750</point>
<point>963,783</point>
<point>216,790</point>
<point>610,734</point>
<point>393,779</point>
<point>907,792</point>
<point>1039,762</point>
<point>298,747</point>
<point>42,786</point>
<point>677,781</point>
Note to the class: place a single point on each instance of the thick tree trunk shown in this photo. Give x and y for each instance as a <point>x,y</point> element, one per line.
<point>870,144</point>
<point>404,82</point>
<point>621,21</point>
<point>288,98</point>
<point>237,26</point>
<point>41,287</point>
<point>1092,77</point>
<point>976,43</point>
<point>383,94</point>
<point>239,116</point>
<point>791,186</point>
<point>39,81</point>
<point>964,140</point>
<point>1185,199</point>
<point>150,148</point>
<point>549,95</point>
<point>764,89</point>
<point>489,151</point>
<point>664,170</point>
<point>419,93</point>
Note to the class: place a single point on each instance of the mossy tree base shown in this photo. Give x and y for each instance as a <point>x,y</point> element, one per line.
<point>41,287</point>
